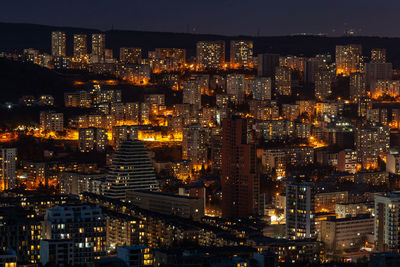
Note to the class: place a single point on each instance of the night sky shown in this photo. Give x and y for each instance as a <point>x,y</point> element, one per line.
<point>230,17</point>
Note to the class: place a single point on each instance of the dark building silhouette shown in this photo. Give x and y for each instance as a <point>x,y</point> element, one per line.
<point>240,182</point>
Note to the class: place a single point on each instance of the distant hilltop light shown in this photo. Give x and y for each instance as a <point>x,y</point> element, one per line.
<point>308,34</point>
<point>350,32</point>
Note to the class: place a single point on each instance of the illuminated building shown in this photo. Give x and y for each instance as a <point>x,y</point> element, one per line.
<point>182,169</point>
<point>377,115</point>
<point>80,47</point>
<point>293,62</point>
<point>241,54</point>
<point>155,99</point>
<point>117,110</point>
<point>135,256</point>
<point>343,210</point>
<point>8,258</point>
<point>131,170</point>
<point>372,142</point>
<point>123,133</point>
<point>300,202</point>
<point>8,167</point>
<point>145,111</point>
<point>276,129</point>
<point>357,86</point>
<point>167,59</point>
<point>75,183</point>
<point>46,100</point>
<point>326,201</point>
<point>363,105</point>
<point>267,64</point>
<point>31,55</point>
<point>61,62</point>
<point>290,111</point>
<point>239,179</point>
<point>373,178</point>
<point>108,55</point>
<point>210,54</point>
<point>378,55</point>
<point>192,92</point>
<point>262,88</point>
<point>123,229</point>
<point>194,144</point>
<point>92,139</point>
<point>235,86</point>
<point>376,71</point>
<point>328,108</point>
<point>323,84</point>
<point>130,55</point>
<point>98,47</point>
<point>20,230</point>
<point>283,81</point>
<point>393,162</point>
<point>216,148</point>
<point>346,233</point>
<point>77,99</point>
<point>82,225</point>
<point>347,161</point>
<point>51,121</point>
<point>306,106</point>
<point>58,44</point>
<point>387,224</point>
<point>385,88</point>
<point>264,111</point>
<point>303,130</point>
<point>348,59</point>
<point>169,204</point>
<point>132,111</point>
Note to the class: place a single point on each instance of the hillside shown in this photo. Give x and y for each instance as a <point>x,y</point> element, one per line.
<point>18,36</point>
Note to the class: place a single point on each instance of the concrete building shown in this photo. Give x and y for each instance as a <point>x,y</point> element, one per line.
<point>98,48</point>
<point>300,203</point>
<point>348,59</point>
<point>82,225</point>
<point>241,54</point>
<point>169,204</point>
<point>239,179</point>
<point>8,168</point>
<point>51,121</point>
<point>347,161</point>
<point>267,64</point>
<point>58,44</point>
<point>192,92</point>
<point>346,233</point>
<point>131,170</point>
<point>92,139</point>
<point>80,47</point>
<point>387,224</point>
<point>135,256</point>
<point>210,54</point>
<point>283,81</point>
<point>323,84</point>
<point>131,55</point>
<point>261,88</point>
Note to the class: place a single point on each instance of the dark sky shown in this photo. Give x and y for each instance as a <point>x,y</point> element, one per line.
<point>230,17</point>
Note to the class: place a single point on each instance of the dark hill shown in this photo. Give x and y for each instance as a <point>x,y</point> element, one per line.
<point>18,79</point>
<point>19,36</point>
